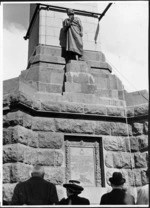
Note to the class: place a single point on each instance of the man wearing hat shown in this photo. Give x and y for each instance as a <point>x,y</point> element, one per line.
<point>73,190</point>
<point>117,195</point>
<point>36,190</point>
<point>73,33</point>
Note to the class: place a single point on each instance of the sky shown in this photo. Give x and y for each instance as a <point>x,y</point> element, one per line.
<point>123,36</point>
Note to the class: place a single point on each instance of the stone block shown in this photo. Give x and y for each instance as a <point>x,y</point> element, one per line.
<point>6,173</point>
<point>20,172</point>
<point>58,158</point>
<point>123,160</point>
<point>27,120</point>
<point>109,160</point>
<point>36,105</point>
<point>51,40</point>
<point>143,142</point>
<point>140,160</point>
<point>10,86</point>
<point>25,136</point>
<point>71,107</point>
<point>87,98</point>
<point>50,31</point>
<point>145,130</point>
<point>49,157</point>
<point>50,140</point>
<point>101,83</point>
<point>137,99</point>
<point>120,94</point>
<point>7,136</point>
<point>72,87</point>
<point>54,175</point>
<point>98,64</point>
<point>8,189</point>
<point>137,177</point>
<point>47,58</point>
<point>112,111</point>
<point>49,50</point>
<point>130,176</point>
<point>57,78</point>
<point>95,109</point>
<point>19,134</point>
<point>14,118</point>
<point>79,77</point>
<point>130,111</point>
<point>50,106</point>
<point>137,128</point>
<point>53,22</point>
<point>88,88</point>
<point>141,110</point>
<point>30,156</point>
<point>50,13</point>
<point>116,143</point>
<point>120,129</point>
<point>118,160</point>
<point>20,97</point>
<point>144,177</point>
<point>77,66</point>
<point>50,88</point>
<point>103,128</point>
<point>112,84</point>
<point>13,153</point>
<point>134,144</point>
<point>75,126</point>
<point>120,87</point>
<point>107,93</point>
<point>43,124</point>
<point>42,30</point>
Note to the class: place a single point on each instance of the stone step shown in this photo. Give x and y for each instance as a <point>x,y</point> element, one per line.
<point>102,80</point>
<point>93,89</point>
<point>59,60</point>
<point>92,99</point>
<point>56,51</point>
<point>45,75</point>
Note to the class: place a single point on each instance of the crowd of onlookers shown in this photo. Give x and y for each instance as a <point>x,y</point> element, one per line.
<point>38,191</point>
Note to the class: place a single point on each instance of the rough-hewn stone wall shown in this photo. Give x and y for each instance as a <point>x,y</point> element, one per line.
<point>51,100</point>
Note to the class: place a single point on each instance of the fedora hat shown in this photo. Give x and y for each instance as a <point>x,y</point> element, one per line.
<point>117,179</point>
<point>73,186</point>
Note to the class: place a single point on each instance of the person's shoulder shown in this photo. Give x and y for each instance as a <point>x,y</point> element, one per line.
<point>84,200</point>
<point>129,199</point>
<point>49,183</point>
<point>63,201</point>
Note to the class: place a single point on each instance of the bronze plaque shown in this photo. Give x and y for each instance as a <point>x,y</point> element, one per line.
<point>82,165</point>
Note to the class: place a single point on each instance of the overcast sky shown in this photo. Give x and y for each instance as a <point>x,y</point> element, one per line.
<point>123,37</point>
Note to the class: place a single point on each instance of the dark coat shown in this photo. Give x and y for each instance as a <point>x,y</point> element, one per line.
<point>76,200</point>
<point>35,191</point>
<point>73,31</point>
<point>117,196</point>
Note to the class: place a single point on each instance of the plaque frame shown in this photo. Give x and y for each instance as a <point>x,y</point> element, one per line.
<point>83,142</point>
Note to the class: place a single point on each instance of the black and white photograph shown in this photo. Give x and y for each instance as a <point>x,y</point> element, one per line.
<point>75,99</point>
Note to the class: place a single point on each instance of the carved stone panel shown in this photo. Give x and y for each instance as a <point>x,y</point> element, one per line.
<point>83,162</point>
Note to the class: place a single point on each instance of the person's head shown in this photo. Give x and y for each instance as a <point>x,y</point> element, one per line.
<point>73,188</point>
<point>38,171</point>
<point>117,181</point>
<point>70,13</point>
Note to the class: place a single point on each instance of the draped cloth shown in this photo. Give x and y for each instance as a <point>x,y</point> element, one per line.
<point>73,33</point>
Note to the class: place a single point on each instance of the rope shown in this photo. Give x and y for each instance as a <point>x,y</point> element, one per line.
<point>129,142</point>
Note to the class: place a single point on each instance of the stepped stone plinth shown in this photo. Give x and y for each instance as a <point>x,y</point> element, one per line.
<point>53,109</point>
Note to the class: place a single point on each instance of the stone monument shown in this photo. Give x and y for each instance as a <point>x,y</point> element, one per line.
<point>75,118</point>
